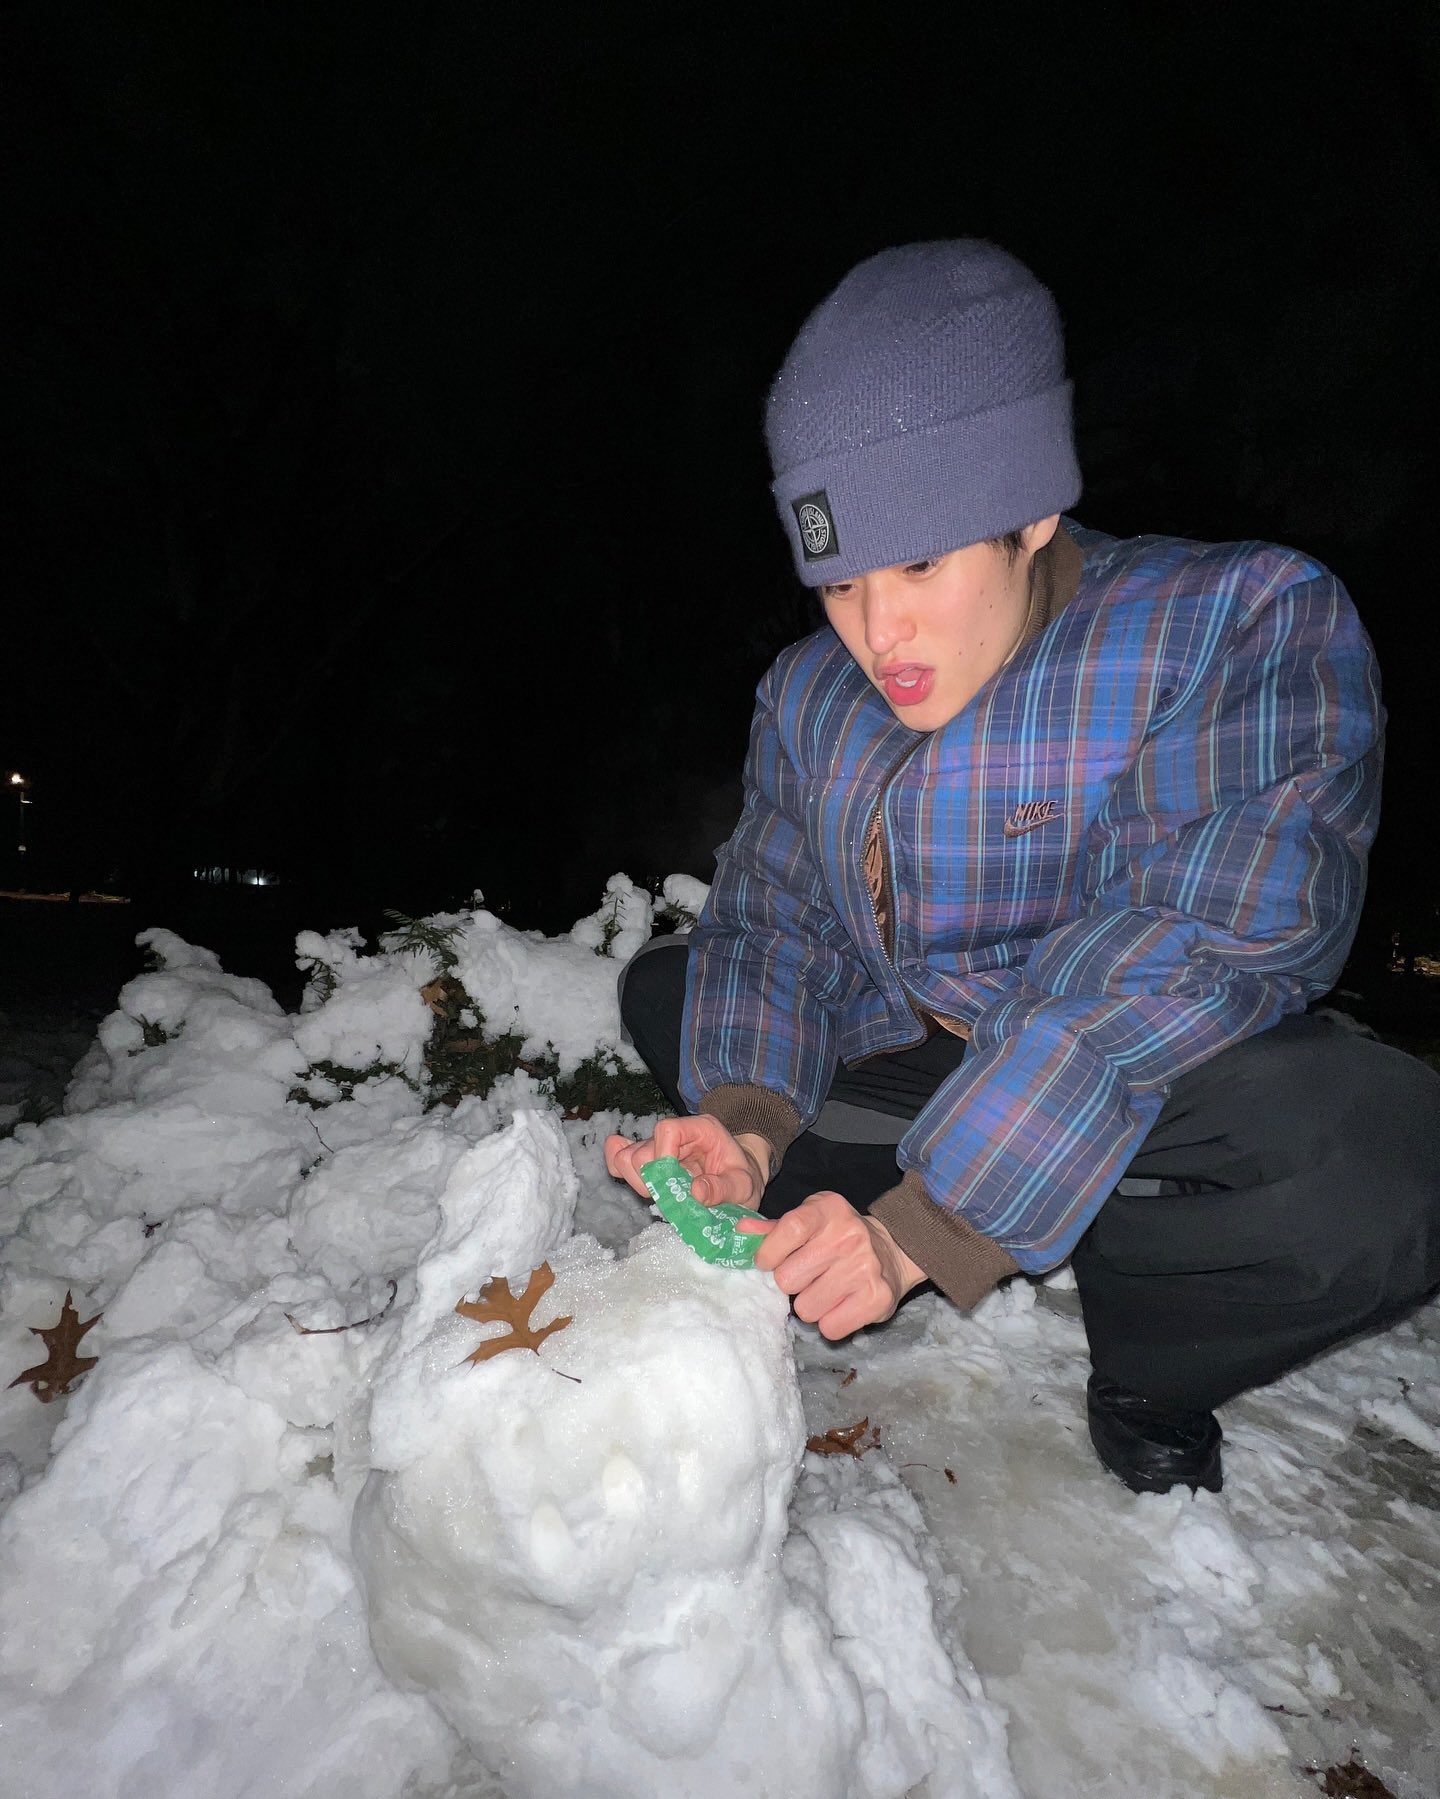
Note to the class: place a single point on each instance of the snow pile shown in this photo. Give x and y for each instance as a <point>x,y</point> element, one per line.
<point>578,1554</point>
<point>557,992</point>
<point>1170,1645</point>
<point>366,1012</point>
<point>587,1577</point>
<point>179,1610</point>
<point>285,1538</point>
<point>365,1211</point>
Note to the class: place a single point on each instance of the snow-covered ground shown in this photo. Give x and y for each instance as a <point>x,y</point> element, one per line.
<point>254,1553</point>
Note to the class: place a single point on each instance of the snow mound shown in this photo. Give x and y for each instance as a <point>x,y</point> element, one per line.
<point>557,992</point>
<point>609,1566</point>
<point>369,1211</point>
<point>581,1556</point>
<point>177,1614</point>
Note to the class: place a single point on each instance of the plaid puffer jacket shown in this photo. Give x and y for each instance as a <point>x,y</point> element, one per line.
<point>1142,841</point>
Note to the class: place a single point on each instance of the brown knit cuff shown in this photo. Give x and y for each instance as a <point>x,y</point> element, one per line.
<point>754,1109</point>
<point>963,1264</point>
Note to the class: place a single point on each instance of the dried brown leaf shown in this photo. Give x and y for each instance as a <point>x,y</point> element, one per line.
<point>62,1367</point>
<point>498,1305</point>
<point>849,1440</point>
<point>1349,1780</point>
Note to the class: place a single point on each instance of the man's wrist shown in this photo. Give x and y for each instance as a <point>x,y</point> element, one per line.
<point>755,1111</point>
<point>761,1152</point>
<point>911,1270</point>
<point>907,1270</point>
<point>962,1262</point>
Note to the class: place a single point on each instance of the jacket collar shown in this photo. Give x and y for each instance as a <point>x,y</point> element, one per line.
<point>1056,573</point>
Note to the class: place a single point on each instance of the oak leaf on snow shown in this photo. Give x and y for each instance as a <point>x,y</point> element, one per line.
<point>62,1367</point>
<point>497,1304</point>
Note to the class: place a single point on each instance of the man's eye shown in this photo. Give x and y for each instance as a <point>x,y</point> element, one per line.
<point>923,567</point>
<point>835,590</point>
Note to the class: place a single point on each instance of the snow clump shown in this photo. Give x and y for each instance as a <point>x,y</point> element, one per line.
<point>575,1565</point>
<point>581,1556</point>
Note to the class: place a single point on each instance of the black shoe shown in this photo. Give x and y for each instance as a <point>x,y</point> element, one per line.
<point>1150,1447</point>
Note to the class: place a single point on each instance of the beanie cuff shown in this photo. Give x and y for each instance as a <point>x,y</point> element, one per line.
<point>930,491</point>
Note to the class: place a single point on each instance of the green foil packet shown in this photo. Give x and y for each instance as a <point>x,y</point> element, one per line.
<point>709,1230</point>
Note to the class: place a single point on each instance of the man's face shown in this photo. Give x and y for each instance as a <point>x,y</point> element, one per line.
<point>929,635</point>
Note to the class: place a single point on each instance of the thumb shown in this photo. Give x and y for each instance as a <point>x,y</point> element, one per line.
<point>731,1186</point>
<point>756,1226</point>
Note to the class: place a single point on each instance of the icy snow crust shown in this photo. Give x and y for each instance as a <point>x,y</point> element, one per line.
<point>241,1559</point>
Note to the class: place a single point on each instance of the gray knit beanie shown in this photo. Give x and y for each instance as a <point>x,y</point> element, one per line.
<point>923,406</point>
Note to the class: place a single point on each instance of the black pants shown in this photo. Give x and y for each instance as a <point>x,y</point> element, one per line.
<point>1287,1197</point>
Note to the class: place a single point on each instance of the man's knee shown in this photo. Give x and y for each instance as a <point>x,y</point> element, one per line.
<point>1377,1112</point>
<point>1311,1093</point>
<point>1394,1174</point>
<point>1308,1155</point>
<point>652,983</point>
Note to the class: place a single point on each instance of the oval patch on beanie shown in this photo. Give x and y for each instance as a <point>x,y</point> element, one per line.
<point>817,527</point>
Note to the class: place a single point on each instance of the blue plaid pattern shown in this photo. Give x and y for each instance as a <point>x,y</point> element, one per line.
<point>1205,720</point>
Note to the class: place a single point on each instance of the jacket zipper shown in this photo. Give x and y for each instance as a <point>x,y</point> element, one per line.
<point>878,813</point>
<point>876,823</point>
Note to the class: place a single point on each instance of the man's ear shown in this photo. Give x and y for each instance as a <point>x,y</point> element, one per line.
<point>1036,536</point>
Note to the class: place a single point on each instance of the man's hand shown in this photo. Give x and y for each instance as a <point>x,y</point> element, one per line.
<point>842,1269</point>
<point>723,1169</point>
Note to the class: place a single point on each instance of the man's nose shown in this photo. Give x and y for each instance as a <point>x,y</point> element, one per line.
<point>887,618</point>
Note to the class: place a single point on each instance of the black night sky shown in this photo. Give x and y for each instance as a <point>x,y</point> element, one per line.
<point>387,505</point>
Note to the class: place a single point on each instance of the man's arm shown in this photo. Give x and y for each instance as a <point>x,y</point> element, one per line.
<point>771,965</point>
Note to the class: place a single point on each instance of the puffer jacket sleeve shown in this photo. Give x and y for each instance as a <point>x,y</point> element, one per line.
<point>771,965</point>
<point>1225,873</point>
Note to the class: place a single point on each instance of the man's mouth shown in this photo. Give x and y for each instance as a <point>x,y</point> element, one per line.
<point>905,683</point>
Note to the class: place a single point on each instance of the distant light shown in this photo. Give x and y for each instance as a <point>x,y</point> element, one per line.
<point>221,875</point>
<point>17,780</point>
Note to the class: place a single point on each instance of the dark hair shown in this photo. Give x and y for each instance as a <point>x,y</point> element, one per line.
<point>1011,545</point>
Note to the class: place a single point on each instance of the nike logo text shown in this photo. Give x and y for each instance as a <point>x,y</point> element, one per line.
<point>1029,816</point>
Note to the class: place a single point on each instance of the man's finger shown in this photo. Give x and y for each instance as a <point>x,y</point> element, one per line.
<point>688,1139</point>
<point>852,1314</point>
<point>615,1152</point>
<point>673,1136</point>
<point>755,1227</point>
<point>731,1186</point>
<point>791,1233</point>
<point>623,1158</point>
<point>836,1236</point>
<point>868,1299</point>
<point>822,1295</point>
